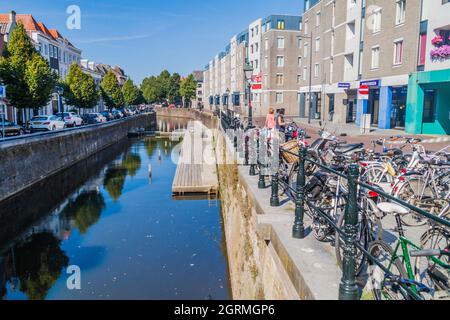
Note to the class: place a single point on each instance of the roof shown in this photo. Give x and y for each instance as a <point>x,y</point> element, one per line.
<point>198,75</point>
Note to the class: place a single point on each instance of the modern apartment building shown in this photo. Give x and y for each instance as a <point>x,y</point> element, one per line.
<point>199,78</point>
<point>398,48</point>
<point>428,107</point>
<point>270,45</point>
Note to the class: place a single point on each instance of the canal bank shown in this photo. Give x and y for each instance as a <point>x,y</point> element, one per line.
<point>29,160</point>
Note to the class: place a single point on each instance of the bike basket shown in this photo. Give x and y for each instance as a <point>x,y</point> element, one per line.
<point>293,147</point>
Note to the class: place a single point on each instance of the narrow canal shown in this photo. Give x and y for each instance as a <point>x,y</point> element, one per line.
<point>124,231</point>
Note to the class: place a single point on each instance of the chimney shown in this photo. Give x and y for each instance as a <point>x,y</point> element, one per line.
<point>12,17</point>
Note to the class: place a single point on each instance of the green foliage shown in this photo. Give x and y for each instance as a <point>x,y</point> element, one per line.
<point>188,88</point>
<point>173,93</point>
<point>86,210</point>
<point>39,263</point>
<point>162,87</point>
<point>80,89</point>
<point>111,91</point>
<point>115,181</point>
<point>131,94</point>
<point>132,163</point>
<point>27,75</point>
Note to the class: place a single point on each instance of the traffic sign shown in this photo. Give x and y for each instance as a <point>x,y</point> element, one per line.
<point>364,90</point>
<point>2,92</point>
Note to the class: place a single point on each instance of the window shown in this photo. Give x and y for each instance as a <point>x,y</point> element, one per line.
<point>318,19</point>
<point>316,70</point>
<point>429,107</point>
<point>305,50</point>
<point>306,27</point>
<point>398,52</point>
<point>400,14</point>
<point>280,79</point>
<point>299,43</point>
<point>257,30</point>
<point>299,78</point>
<point>256,64</point>
<point>305,70</point>
<point>266,43</point>
<point>307,4</point>
<point>376,20</point>
<point>252,49</point>
<point>300,26</point>
<point>256,47</point>
<point>280,61</point>
<point>375,57</point>
<point>280,42</point>
<point>253,32</point>
<point>422,49</point>
<point>317,44</point>
<point>279,97</point>
<point>280,24</point>
<point>299,61</point>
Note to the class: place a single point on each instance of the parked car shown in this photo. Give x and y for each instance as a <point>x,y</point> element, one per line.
<point>108,115</point>
<point>117,114</point>
<point>93,118</point>
<point>46,123</point>
<point>124,112</point>
<point>71,119</point>
<point>11,129</point>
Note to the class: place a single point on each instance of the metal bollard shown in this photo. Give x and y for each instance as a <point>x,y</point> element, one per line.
<point>298,230</point>
<point>262,178</point>
<point>246,150</point>
<point>254,157</point>
<point>348,289</point>
<point>275,199</point>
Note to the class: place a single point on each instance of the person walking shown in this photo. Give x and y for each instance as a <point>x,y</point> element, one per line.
<point>280,123</point>
<point>270,119</point>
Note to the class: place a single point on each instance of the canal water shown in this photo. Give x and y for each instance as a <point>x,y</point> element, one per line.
<point>120,227</point>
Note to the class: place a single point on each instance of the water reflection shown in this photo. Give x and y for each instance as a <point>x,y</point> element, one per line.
<point>130,239</point>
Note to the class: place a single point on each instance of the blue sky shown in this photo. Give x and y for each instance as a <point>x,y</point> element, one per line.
<point>147,36</point>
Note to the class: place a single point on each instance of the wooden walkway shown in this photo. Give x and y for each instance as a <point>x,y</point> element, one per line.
<point>194,175</point>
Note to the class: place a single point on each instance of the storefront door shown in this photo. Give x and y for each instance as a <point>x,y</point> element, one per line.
<point>374,105</point>
<point>398,116</point>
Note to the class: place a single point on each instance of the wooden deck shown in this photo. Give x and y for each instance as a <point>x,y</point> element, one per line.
<point>194,175</point>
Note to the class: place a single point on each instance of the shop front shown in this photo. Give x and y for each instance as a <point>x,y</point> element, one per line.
<point>428,103</point>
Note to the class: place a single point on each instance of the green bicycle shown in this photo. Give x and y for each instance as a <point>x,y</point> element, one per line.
<point>428,278</point>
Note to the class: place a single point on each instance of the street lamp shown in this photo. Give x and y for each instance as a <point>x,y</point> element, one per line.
<point>310,73</point>
<point>60,91</point>
<point>248,72</point>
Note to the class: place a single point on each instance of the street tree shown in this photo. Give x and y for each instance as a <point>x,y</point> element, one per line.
<point>111,91</point>
<point>188,88</point>
<point>174,88</point>
<point>80,89</point>
<point>27,75</point>
<point>131,93</point>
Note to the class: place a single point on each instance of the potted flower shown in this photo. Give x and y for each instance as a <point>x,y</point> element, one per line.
<point>437,41</point>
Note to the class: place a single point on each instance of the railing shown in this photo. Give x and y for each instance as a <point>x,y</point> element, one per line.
<point>348,289</point>
<point>68,130</point>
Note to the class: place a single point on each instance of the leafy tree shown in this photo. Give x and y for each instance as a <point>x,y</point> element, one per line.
<point>188,88</point>
<point>149,89</point>
<point>80,89</point>
<point>131,94</point>
<point>40,81</point>
<point>164,84</point>
<point>111,91</point>
<point>174,88</point>
<point>28,76</point>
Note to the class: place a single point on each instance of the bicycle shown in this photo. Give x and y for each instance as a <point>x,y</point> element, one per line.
<point>398,262</point>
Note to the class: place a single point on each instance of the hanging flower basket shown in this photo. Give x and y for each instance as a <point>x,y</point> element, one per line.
<point>437,41</point>
<point>443,52</point>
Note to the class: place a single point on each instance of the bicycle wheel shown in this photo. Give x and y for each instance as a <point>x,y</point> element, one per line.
<point>383,289</point>
<point>416,192</point>
<point>428,271</point>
